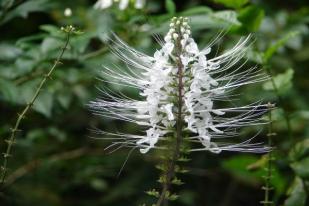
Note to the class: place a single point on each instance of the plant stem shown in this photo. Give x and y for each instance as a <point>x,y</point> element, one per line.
<point>53,158</point>
<point>286,115</point>
<point>170,173</point>
<point>267,188</point>
<point>22,115</point>
<point>5,9</point>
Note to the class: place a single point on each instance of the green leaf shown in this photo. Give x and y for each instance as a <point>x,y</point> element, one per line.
<point>9,51</point>
<point>226,16</point>
<point>170,7</point>
<point>281,42</point>
<point>6,3</point>
<point>102,23</point>
<point>220,19</point>
<point>64,98</point>
<point>236,4</point>
<point>164,18</point>
<point>27,42</point>
<point>80,43</point>
<point>300,150</point>
<point>255,56</point>
<point>297,194</point>
<point>196,10</point>
<point>251,18</point>
<point>214,20</point>
<point>283,82</point>
<point>301,168</point>
<point>52,30</point>
<point>57,133</point>
<point>238,167</point>
<point>24,65</point>
<point>50,44</point>
<point>44,103</point>
<point>8,90</point>
<point>241,167</point>
<point>25,8</point>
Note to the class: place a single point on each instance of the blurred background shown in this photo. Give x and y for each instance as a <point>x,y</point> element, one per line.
<point>56,162</point>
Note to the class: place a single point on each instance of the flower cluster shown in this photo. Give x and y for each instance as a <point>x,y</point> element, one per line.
<point>123,4</point>
<point>181,73</point>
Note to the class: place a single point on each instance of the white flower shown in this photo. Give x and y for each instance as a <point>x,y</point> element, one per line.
<point>139,4</point>
<point>103,4</point>
<point>67,12</point>
<point>168,110</point>
<point>180,83</point>
<point>123,4</point>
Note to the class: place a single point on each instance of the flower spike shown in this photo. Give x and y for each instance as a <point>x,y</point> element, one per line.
<point>204,82</point>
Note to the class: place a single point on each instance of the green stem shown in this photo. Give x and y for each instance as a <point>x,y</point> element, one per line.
<point>22,115</point>
<point>267,188</point>
<point>5,9</point>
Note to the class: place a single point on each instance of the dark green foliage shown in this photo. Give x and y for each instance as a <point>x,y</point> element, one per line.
<point>54,160</point>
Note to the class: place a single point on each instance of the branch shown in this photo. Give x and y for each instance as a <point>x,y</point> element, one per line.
<point>33,164</point>
<point>267,187</point>
<point>11,140</point>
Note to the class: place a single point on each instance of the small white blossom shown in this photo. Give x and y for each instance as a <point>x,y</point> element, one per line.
<point>123,4</point>
<point>168,110</point>
<point>139,4</point>
<point>67,12</point>
<point>205,82</point>
<point>103,4</point>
